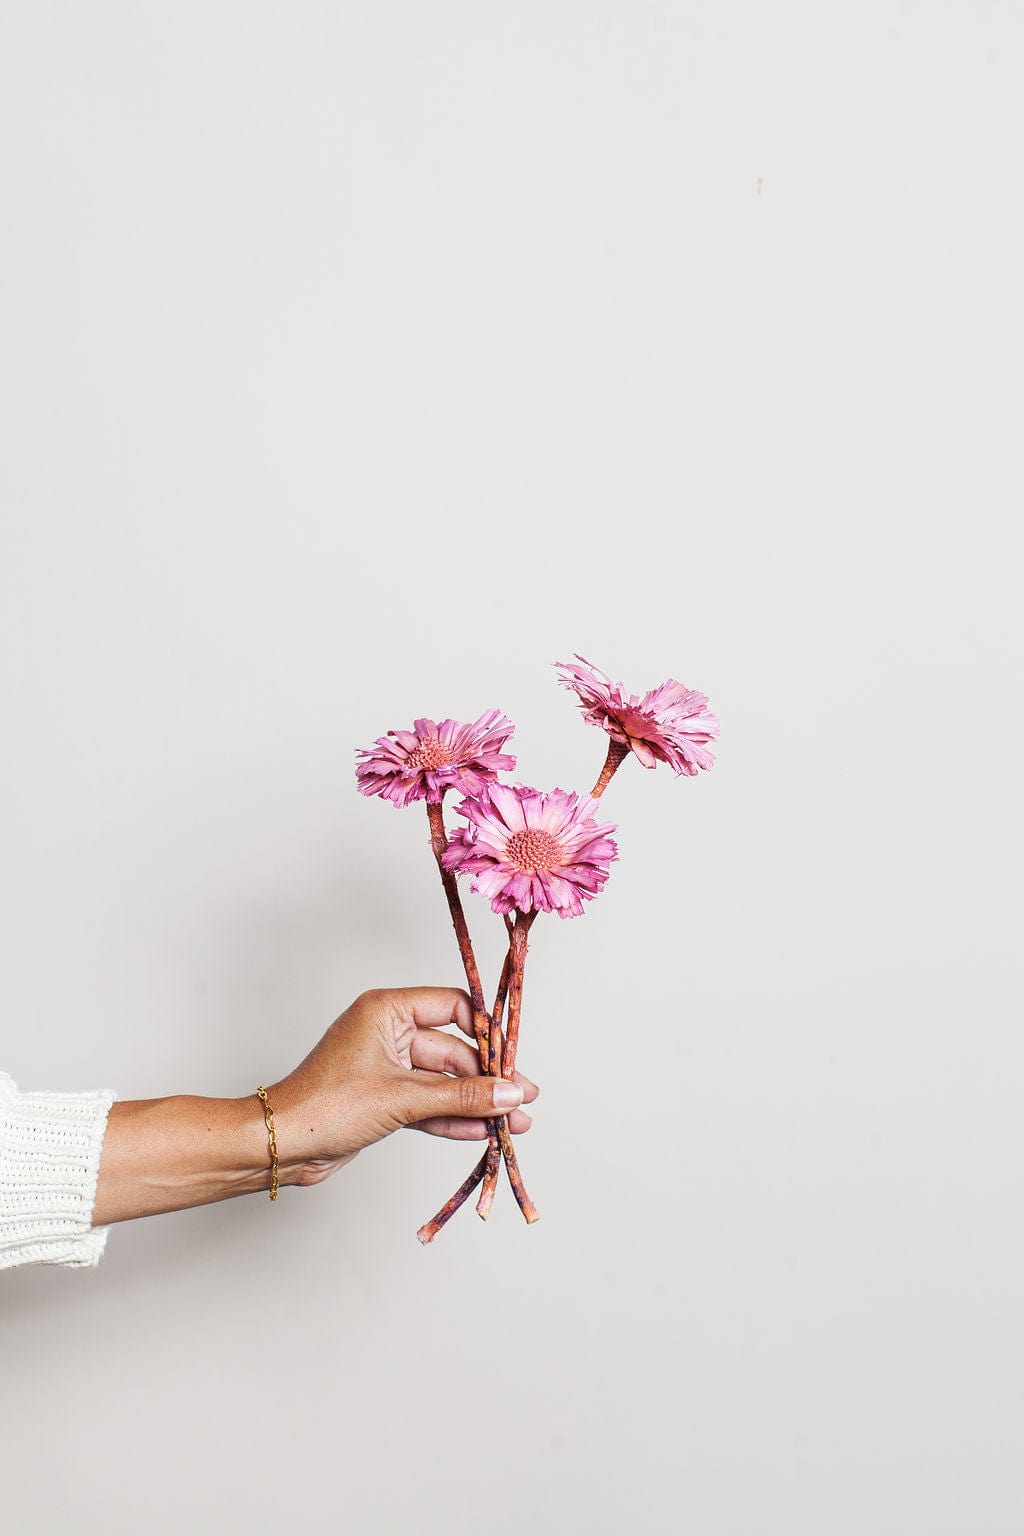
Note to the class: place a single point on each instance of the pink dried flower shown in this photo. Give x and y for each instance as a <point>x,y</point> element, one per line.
<point>532,851</point>
<point>670,724</point>
<point>404,766</point>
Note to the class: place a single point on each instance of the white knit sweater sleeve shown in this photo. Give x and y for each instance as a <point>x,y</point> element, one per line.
<point>50,1147</point>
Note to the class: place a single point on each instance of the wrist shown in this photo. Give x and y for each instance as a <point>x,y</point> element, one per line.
<point>281,1114</point>
<point>162,1155</point>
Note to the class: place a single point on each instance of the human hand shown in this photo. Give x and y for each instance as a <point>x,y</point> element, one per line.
<point>386,1063</point>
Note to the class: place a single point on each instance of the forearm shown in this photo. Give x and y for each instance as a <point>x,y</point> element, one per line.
<point>168,1154</point>
<point>355,1087</point>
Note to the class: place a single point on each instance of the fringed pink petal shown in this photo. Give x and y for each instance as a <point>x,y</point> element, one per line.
<point>532,852</point>
<point>430,759</point>
<point>670,724</point>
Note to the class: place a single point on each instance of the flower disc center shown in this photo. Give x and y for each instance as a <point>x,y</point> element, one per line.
<point>635,722</point>
<point>430,754</point>
<point>534,850</point>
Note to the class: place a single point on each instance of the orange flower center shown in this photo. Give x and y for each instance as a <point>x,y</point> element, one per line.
<point>534,850</point>
<point>430,754</point>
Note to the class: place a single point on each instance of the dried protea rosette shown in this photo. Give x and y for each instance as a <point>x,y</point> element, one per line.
<point>526,851</point>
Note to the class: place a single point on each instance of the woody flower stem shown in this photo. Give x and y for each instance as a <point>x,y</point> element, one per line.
<point>517,960</point>
<point>489,1165</point>
<point>481,1018</point>
<point>494,1060</point>
<point>617,752</point>
<point>517,956</point>
<point>430,1229</point>
<point>438,844</point>
<point>498,1127</point>
<point>497,1012</point>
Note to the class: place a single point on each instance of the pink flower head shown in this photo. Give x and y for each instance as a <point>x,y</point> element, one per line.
<point>530,851</point>
<point>422,763</point>
<point>670,724</point>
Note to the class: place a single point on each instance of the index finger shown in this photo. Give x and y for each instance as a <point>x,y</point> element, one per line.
<point>433,1007</point>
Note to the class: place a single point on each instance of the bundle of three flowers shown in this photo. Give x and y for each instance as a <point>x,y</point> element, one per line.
<point>526,851</point>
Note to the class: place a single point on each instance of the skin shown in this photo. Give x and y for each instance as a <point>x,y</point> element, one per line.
<point>385,1064</point>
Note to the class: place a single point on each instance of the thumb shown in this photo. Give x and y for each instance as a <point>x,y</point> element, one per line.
<point>473,1098</point>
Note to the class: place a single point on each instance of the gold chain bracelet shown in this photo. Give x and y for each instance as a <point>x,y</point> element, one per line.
<point>268,1115</point>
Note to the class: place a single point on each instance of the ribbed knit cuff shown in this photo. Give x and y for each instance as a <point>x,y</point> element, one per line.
<point>50,1146</point>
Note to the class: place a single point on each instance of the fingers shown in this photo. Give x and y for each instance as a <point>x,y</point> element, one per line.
<point>530,1089</point>
<point>454,1129</point>
<point>428,1006</point>
<point>427,1095</point>
<point>435,1051</point>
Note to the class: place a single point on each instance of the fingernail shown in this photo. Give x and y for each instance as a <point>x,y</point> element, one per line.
<point>507,1095</point>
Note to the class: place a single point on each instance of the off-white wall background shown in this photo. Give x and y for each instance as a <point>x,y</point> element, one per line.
<point>359,361</point>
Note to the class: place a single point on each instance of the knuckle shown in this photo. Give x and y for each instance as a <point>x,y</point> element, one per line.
<point>453,1058</point>
<point>468,1095</point>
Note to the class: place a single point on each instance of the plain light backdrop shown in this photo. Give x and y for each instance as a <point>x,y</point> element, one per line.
<point>359,361</point>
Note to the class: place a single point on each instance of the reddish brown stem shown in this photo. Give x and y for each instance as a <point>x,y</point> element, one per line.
<point>482,1025</point>
<point>497,1039</point>
<point>494,1059</point>
<point>482,1028</point>
<point>438,843</point>
<point>515,1178</point>
<point>616,755</point>
<point>489,1186</point>
<point>430,1229</point>
<point>517,959</point>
